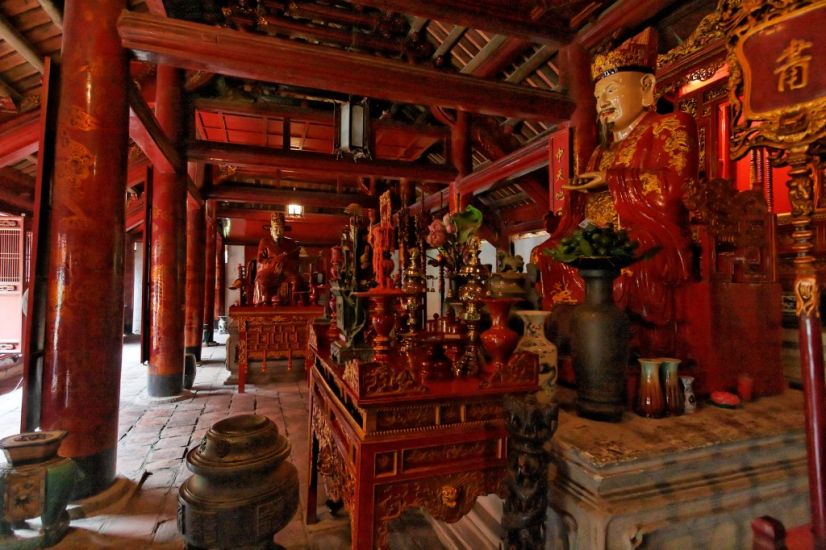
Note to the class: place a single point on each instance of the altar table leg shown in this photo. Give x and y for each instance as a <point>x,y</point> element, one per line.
<point>242,375</point>
<point>311,515</point>
<point>363,521</point>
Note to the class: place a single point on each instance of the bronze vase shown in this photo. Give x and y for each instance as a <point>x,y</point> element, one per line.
<point>600,333</point>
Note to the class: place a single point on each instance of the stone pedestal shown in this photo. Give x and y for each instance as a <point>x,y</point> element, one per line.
<point>692,481</point>
<point>686,482</point>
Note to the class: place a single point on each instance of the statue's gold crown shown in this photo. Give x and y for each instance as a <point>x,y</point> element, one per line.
<point>635,54</point>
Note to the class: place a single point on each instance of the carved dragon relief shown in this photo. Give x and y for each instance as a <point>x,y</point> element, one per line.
<point>522,368</point>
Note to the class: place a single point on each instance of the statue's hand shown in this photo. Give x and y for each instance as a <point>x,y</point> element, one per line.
<point>587,181</point>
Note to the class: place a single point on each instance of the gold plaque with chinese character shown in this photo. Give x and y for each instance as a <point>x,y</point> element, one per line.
<point>777,86</point>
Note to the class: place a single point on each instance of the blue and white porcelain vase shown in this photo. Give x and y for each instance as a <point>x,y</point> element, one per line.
<point>534,341</point>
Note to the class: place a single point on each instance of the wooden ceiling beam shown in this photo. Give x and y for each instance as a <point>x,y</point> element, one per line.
<point>19,138</point>
<point>17,179</point>
<point>313,163</point>
<point>488,64</point>
<point>233,192</point>
<point>21,45</point>
<point>54,12</point>
<point>527,159</point>
<point>477,16</point>
<point>450,40</point>
<point>145,130</point>
<point>257,57</point>
<point>16,200</point>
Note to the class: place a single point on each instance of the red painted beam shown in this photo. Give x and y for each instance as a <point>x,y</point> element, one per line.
<point>507,53</point>
<point>150,137</point>
<point>229,192</point>
<point>313,163</point>
<point>17,201</point>
<point>527,159</point>
<point>244,55</point>
<point>499,19</point>
<point>622,16</point>
<point>19,138</point>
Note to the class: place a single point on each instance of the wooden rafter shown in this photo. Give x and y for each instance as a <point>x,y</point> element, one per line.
<point>477,16</point>
<point>145,130</point>
<point>53,12</point>
<point>201,47</point>
<point>21,44</point>
<point>19,138</point>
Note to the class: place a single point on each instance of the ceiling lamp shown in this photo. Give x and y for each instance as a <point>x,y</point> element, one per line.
<point>353,123</point>
<point>295,210</point>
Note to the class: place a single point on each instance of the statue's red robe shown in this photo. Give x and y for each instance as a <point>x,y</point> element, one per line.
<point>648,175</point>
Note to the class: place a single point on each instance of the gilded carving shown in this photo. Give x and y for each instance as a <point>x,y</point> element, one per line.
<point>676,142</point>
<point>708,31</point>
<point>78,163</point>
<point>339,482</point>
<point>446,498</point>
<point>600,208</point>
<point>425,456</point>
<point>689,106</point>
<point>81,120</point>
<point>807,294</point>
<point>650,183</point>
<point>351,374</point>
<point>778,127</point>
<point>381,378</point>
<point>407,417</point>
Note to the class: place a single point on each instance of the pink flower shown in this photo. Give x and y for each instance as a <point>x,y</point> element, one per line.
<point>437,235</point>
<point>450,227</point>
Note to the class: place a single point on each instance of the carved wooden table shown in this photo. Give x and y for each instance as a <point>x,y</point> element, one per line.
<point>271,332</point>
<point>384,442</point>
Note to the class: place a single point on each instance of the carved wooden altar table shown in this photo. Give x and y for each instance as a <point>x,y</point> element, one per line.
<point>271,332</point>
<point>384,442</point>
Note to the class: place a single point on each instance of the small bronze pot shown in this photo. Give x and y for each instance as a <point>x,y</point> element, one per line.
<point>242,490</point>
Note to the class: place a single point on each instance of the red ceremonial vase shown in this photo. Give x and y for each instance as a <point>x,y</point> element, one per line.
<point>382,318</point>
<point>499,341</point>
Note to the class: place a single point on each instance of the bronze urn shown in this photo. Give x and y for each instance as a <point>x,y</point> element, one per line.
<point>242,490</point>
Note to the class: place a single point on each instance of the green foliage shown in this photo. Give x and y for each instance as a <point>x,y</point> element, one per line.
<point>598,244</point>
<point>467,222</point>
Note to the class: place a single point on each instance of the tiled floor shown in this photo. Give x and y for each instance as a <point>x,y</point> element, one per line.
<point>155,437</point>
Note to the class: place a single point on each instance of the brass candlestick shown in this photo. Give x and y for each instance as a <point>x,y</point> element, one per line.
<point>471,294</point>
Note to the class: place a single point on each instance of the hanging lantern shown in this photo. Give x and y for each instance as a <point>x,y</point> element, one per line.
<point>353,122</point>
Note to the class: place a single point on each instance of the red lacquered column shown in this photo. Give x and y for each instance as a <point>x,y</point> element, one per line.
<point>194,317</point>
<point>166,291</point>
<point>220,278</point>
<point>209,273</point>
<point>84,318</point>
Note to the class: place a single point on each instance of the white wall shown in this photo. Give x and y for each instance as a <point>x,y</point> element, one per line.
<point>234,256</point>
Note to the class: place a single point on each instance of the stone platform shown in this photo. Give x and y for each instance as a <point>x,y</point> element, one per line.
<point>691,481</point>
<point>681,483</point>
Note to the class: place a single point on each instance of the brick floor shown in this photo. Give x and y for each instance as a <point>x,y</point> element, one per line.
<point>154,439</point>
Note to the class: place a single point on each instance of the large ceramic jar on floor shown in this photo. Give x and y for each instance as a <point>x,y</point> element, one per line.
<point>600,333</point>
<point>243,491</point>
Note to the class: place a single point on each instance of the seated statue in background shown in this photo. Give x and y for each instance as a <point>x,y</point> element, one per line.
<point>637,180</point>
<point>277,264</point>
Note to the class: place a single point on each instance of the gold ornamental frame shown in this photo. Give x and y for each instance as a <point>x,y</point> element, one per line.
<point>789,127</point>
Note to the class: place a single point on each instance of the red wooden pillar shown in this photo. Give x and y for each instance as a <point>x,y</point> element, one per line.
<point>166,293</point>
<point>195,241</point>
<point>84,302</point>
<point>220,278</point>
<point>576,78</point>
<point>209,273</point>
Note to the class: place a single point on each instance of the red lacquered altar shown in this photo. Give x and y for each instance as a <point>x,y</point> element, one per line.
<point>268,333</point>
<point>385,440</point>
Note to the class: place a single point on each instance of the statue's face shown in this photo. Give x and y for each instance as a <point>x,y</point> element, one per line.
<point>621,97</point>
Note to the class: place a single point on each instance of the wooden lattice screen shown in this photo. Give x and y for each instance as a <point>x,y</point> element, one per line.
<point>11,283</point>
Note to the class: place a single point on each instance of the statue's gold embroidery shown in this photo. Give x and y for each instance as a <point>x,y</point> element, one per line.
<point>600,209</point>
<point>676,142</point>
<point>650,183</point>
